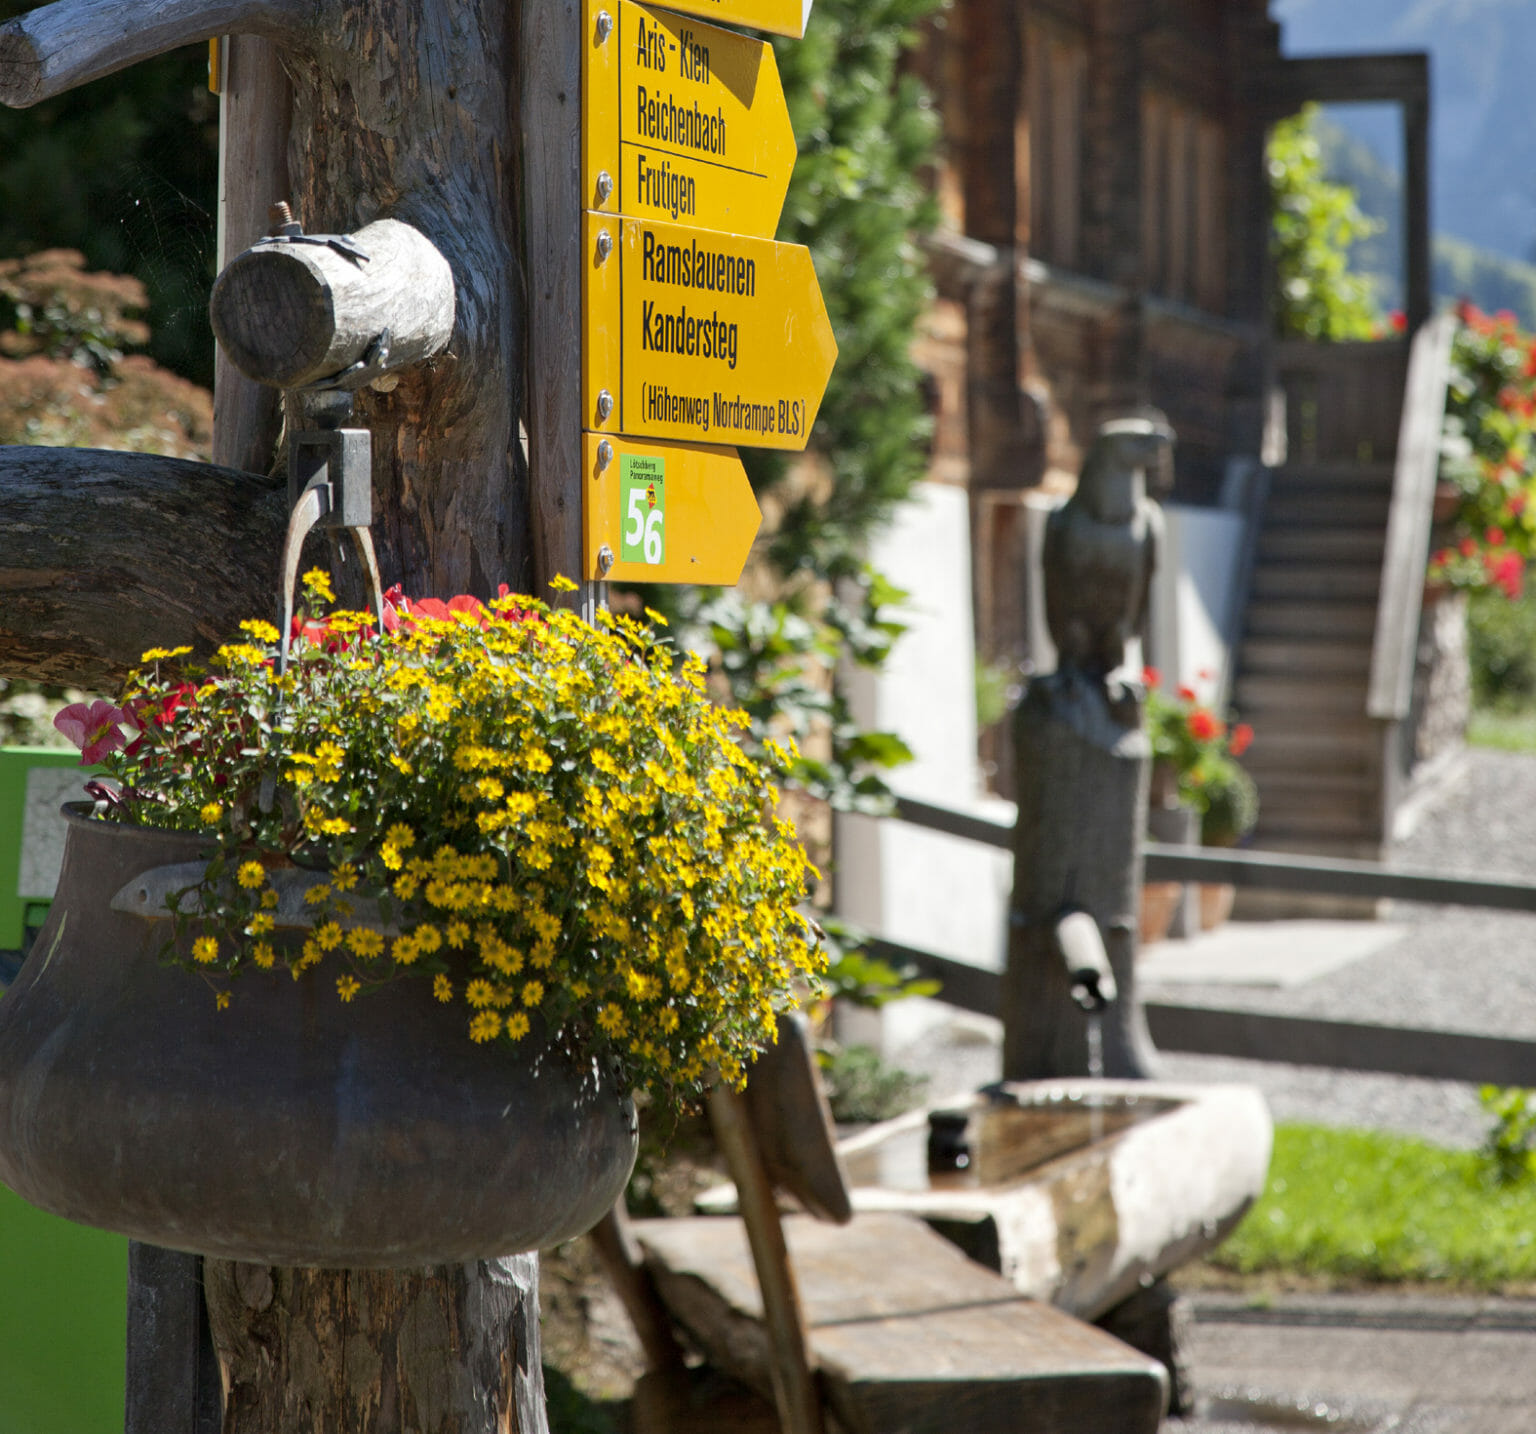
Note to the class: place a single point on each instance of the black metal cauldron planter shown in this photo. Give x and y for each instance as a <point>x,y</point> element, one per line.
<point>288,1129</point>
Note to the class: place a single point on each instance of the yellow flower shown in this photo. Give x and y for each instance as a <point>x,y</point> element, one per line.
<point>486,1026</point>
<point>347,987</point>
<point>269,899</point>
<point>317,895</point>
<point>205,949</point>
<point>260,924</point>
<point>364,941</point>
<point>211,813</point>
<point>335,826</point>
<point>400,835</point>
<point>318,585</point>
<point>251,874</point>
<point>344,878</point>
<point>328,936</point>
<point>533,993</point>
<point>562,584</point>
<point>263,955</point>
<point>442,987</point>
<point>478,993</point>
<point>261,631</point>
<point>221,1001</point>
<point>517,1025</point>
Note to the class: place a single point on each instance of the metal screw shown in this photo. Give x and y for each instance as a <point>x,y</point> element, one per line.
<point>604,455</point>
<point>280,219</point>
<point>604,560</point>
<point>604,25</point>
<point>604,406</point>
<point>604,186</point>
<point>604,245</point>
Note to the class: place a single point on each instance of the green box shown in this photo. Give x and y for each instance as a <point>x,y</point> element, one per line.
<point>34,782</point>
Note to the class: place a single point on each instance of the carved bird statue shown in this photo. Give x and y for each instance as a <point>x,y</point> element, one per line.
<point>1101,548</point>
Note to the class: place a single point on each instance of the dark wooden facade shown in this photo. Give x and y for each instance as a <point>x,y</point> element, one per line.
<point>1105,248</point>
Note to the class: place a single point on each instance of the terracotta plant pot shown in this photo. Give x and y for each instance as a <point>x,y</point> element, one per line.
<point>1216,901</point>
<point>1159,901</point>
<point>289,1129</point>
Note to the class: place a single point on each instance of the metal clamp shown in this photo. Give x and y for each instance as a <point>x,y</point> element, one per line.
<point>330,485</point>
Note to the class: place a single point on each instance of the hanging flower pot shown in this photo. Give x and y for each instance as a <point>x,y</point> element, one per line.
<point>358,963</point>
<point>294,1129</point>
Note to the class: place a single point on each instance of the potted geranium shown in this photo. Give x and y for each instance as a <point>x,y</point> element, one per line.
<point>1195,767</point>
<point>432,904</point>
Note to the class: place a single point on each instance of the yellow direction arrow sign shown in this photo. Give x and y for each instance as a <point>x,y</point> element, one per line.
<point>682,121</point>
<point>665,512</point>
<point>779,17</point>
<point>700,336</point>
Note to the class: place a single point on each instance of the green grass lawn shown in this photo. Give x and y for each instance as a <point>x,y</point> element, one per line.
<point>63,1324</point>
<point>1358,1206</point>
<point>1509,731</point>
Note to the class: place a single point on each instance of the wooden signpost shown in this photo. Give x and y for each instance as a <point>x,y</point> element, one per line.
<point>697,327</point>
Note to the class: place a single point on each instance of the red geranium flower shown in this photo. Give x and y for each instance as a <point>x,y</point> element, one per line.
<point>1242,739</point>
<point>1203,727</point>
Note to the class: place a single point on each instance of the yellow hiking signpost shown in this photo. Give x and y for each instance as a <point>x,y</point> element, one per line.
<point>778,17</point>
<point>685,122</point>
<point>698,330</point>
<point>665,512</point>
<point>702,336</point>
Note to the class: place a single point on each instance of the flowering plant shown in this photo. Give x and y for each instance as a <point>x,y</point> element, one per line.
<point>538,816</point>
<point>1199,750</point>
<point>1488,456</point>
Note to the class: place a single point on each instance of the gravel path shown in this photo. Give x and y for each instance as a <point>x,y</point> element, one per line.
<point>1455,968</point>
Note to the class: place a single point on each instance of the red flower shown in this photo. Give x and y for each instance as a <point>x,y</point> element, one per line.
<point>1152,677</point>
<point>1397,320</point>
<point>1203,727</point>
<point>1242,739</point>
<point>1187,694</point>
<point>92,728</point>
<point>1441,558</point>
<point>1494,537</point>
<point>1517,505</point>
<point>1468,547</point>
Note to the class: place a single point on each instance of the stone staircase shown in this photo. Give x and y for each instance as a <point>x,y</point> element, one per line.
<point>1324,670</point>
<point>1304,666</point>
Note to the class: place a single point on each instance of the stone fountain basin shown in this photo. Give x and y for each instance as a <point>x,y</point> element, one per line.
<point>1078,1191</point>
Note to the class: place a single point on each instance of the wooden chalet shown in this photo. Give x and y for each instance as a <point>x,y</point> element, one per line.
<point>1105,247</point>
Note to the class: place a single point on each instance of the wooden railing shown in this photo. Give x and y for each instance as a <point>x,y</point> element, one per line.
<point>1343,401</point>
<point>1254,1035</point>
<point>1395,646</point>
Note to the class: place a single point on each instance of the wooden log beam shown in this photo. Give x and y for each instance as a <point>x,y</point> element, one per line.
<point>55,48</point>
<point>106,554</point>
<point>290,315</point>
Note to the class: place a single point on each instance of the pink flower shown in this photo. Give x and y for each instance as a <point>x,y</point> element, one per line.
<point>92,728</point>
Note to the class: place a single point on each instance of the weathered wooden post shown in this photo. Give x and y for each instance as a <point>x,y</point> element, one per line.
<point>404,111</point>
<point>1082,771</point>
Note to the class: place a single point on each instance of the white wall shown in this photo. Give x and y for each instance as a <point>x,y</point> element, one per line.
<point>900,881</point>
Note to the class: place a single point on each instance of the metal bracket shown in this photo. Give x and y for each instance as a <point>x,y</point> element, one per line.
<point>330,485</point>
<point>293,233</point>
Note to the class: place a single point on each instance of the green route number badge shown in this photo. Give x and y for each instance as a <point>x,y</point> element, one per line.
<point>643,500</point>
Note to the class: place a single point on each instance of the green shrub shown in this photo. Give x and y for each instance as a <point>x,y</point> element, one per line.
<point>1501,649</point>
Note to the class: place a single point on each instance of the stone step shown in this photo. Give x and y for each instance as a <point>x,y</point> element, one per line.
<point>1287,699</point>
<point>1355,477</point>
<point>1311,508</point>
<point>1302,655</point>
<point>1309,545</point>
<point>1326,581</point>
<point>1340,622</point>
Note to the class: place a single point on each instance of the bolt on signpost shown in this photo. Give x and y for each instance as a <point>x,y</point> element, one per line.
<point>698,329</point>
